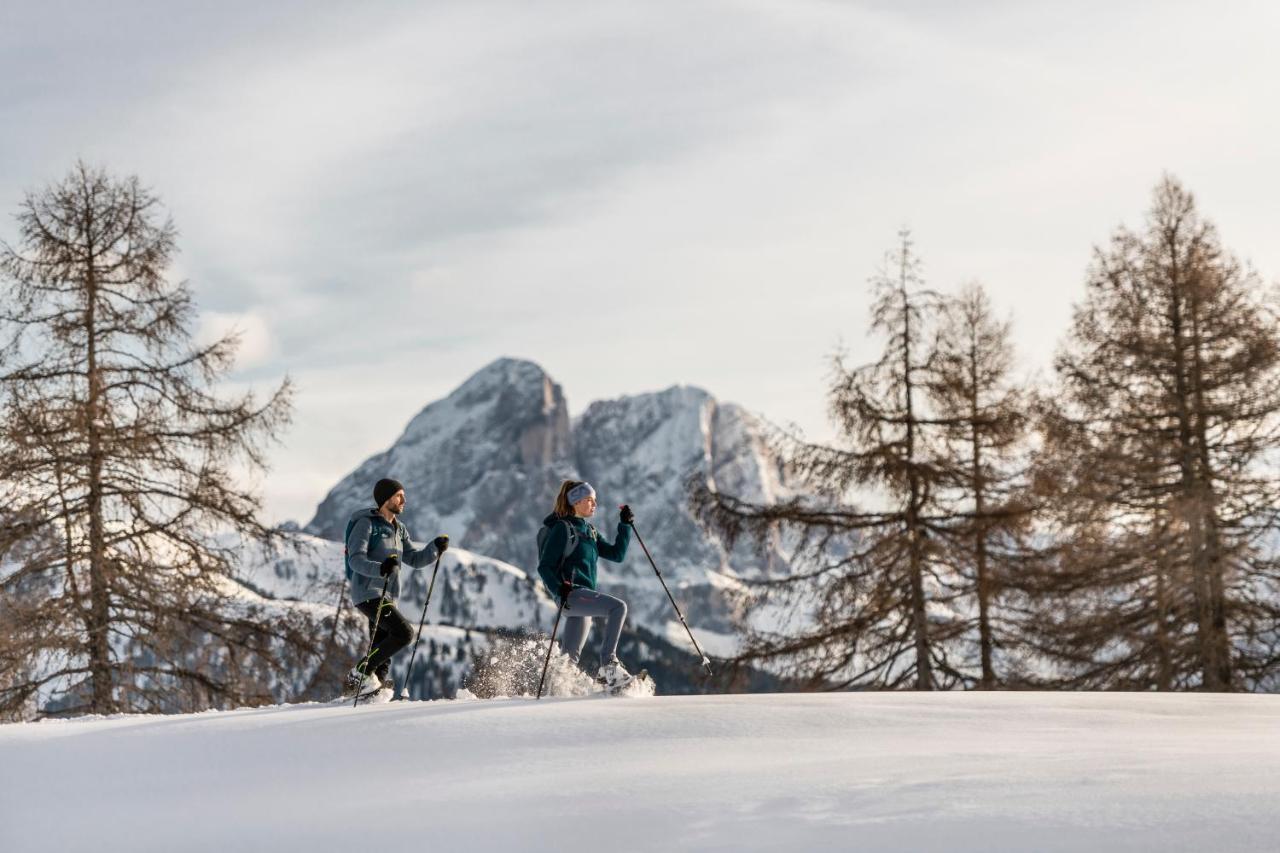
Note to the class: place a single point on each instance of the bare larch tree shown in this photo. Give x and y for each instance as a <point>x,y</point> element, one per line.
<point>121,470</point>
<point>873,605</point>
<point>1158,463</point>
<point>984,416</point>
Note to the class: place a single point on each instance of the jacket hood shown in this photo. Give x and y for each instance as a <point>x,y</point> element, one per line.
<point>366,511</point>
<point>553,518</point>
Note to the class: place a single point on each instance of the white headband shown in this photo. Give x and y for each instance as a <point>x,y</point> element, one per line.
<point>579,492</point>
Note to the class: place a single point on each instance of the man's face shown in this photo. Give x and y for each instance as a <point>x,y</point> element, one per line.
<point>395,503</point>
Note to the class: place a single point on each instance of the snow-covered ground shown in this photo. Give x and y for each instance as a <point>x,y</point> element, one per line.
<point>909,772</point>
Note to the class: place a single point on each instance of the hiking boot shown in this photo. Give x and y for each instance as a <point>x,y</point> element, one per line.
<point>614,675</point>
<point>361,684</point>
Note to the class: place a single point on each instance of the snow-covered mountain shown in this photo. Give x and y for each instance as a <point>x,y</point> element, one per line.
<point>644,450</point>
<point>476,602</point>
<point>484,629</point>
<point>484,464</point>
<point>476,464</point>
<point>471,591</point>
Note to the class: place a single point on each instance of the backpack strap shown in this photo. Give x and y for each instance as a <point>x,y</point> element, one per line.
<point>346,551</point>
<point>570,543</point>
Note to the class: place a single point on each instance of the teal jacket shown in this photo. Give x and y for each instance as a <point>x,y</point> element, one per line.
<point>581,564</point>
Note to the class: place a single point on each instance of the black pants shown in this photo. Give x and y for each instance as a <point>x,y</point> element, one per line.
<point>394,633</point>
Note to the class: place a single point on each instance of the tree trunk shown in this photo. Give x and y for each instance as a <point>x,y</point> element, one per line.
<point>919,617</point>
<point>1191,509</point>
<point>982,581</point>
<point>1164,652</point>
<point>1218,672</point>
<point>102,694</point>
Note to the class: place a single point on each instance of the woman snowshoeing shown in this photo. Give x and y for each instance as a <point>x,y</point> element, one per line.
<point>567,565</point>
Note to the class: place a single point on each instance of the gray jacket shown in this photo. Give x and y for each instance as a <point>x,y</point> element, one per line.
<point>370,542</point>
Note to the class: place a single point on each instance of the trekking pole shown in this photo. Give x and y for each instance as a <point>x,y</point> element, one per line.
<point>409,672</point>
<point>377,617</point>
<point>319,674</point>
<point>706,662</point>
<point>337,619</point>
<point>337,614</point>
<point>551,645</point>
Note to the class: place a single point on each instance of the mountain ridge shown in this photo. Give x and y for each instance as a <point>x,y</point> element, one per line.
<point>484,463</point>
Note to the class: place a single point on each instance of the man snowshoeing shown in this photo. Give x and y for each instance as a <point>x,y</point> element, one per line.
<point>567,566</point>
<point>377,544</point>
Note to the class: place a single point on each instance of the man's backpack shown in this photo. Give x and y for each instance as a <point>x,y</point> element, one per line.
<point>570,542</point>
<point>346,551</point>
<point>346,537</point>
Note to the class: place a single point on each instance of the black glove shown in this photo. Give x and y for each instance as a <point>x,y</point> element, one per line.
<point>626,516</point>
<point>389,565</point>
<point>566,587</point>
<point>441,543</point>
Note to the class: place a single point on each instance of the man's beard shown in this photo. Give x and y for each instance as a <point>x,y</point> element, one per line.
<point>395,510</point>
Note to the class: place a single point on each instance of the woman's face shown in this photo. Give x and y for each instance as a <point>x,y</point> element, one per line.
<point>585,508</point>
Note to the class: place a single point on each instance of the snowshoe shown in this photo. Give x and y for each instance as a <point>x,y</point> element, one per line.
<point>624,683</point>
<point>361,684</point>
<point>613,675</point>
<point>378,697</point>
<point>639,685</point>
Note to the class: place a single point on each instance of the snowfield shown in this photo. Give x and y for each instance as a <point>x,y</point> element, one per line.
<point>876,772</point>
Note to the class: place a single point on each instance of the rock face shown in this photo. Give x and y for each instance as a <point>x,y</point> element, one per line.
<point>477,464</point>
<point>484,464</point>
<point>644,450</point>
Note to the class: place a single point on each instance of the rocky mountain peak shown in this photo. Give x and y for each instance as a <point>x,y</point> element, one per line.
<point>484,463</point>
<point>474,453</point>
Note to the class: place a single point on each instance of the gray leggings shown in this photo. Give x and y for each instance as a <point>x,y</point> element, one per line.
<point>584,605</point>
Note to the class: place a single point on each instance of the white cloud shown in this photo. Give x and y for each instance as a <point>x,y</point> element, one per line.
<point>700,190</point>
<point>256,344</point>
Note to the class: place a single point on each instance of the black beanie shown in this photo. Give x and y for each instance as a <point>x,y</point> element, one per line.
<point>384,491</point>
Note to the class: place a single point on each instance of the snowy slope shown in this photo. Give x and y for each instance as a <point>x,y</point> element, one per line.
<point>472,591</point>
<point>883,772</point>
<point>483,612</point>
<point>475,599</point>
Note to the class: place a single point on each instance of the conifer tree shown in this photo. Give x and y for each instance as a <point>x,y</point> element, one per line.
<point>874,606</point>
<point>984,416</point>
<point>120,471</point>
<point>1158,463</point>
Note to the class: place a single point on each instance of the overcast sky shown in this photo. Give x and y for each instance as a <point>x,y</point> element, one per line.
<point>384,197</point>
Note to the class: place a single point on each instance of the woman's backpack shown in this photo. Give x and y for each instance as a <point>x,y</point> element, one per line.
<point>570,542</point>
